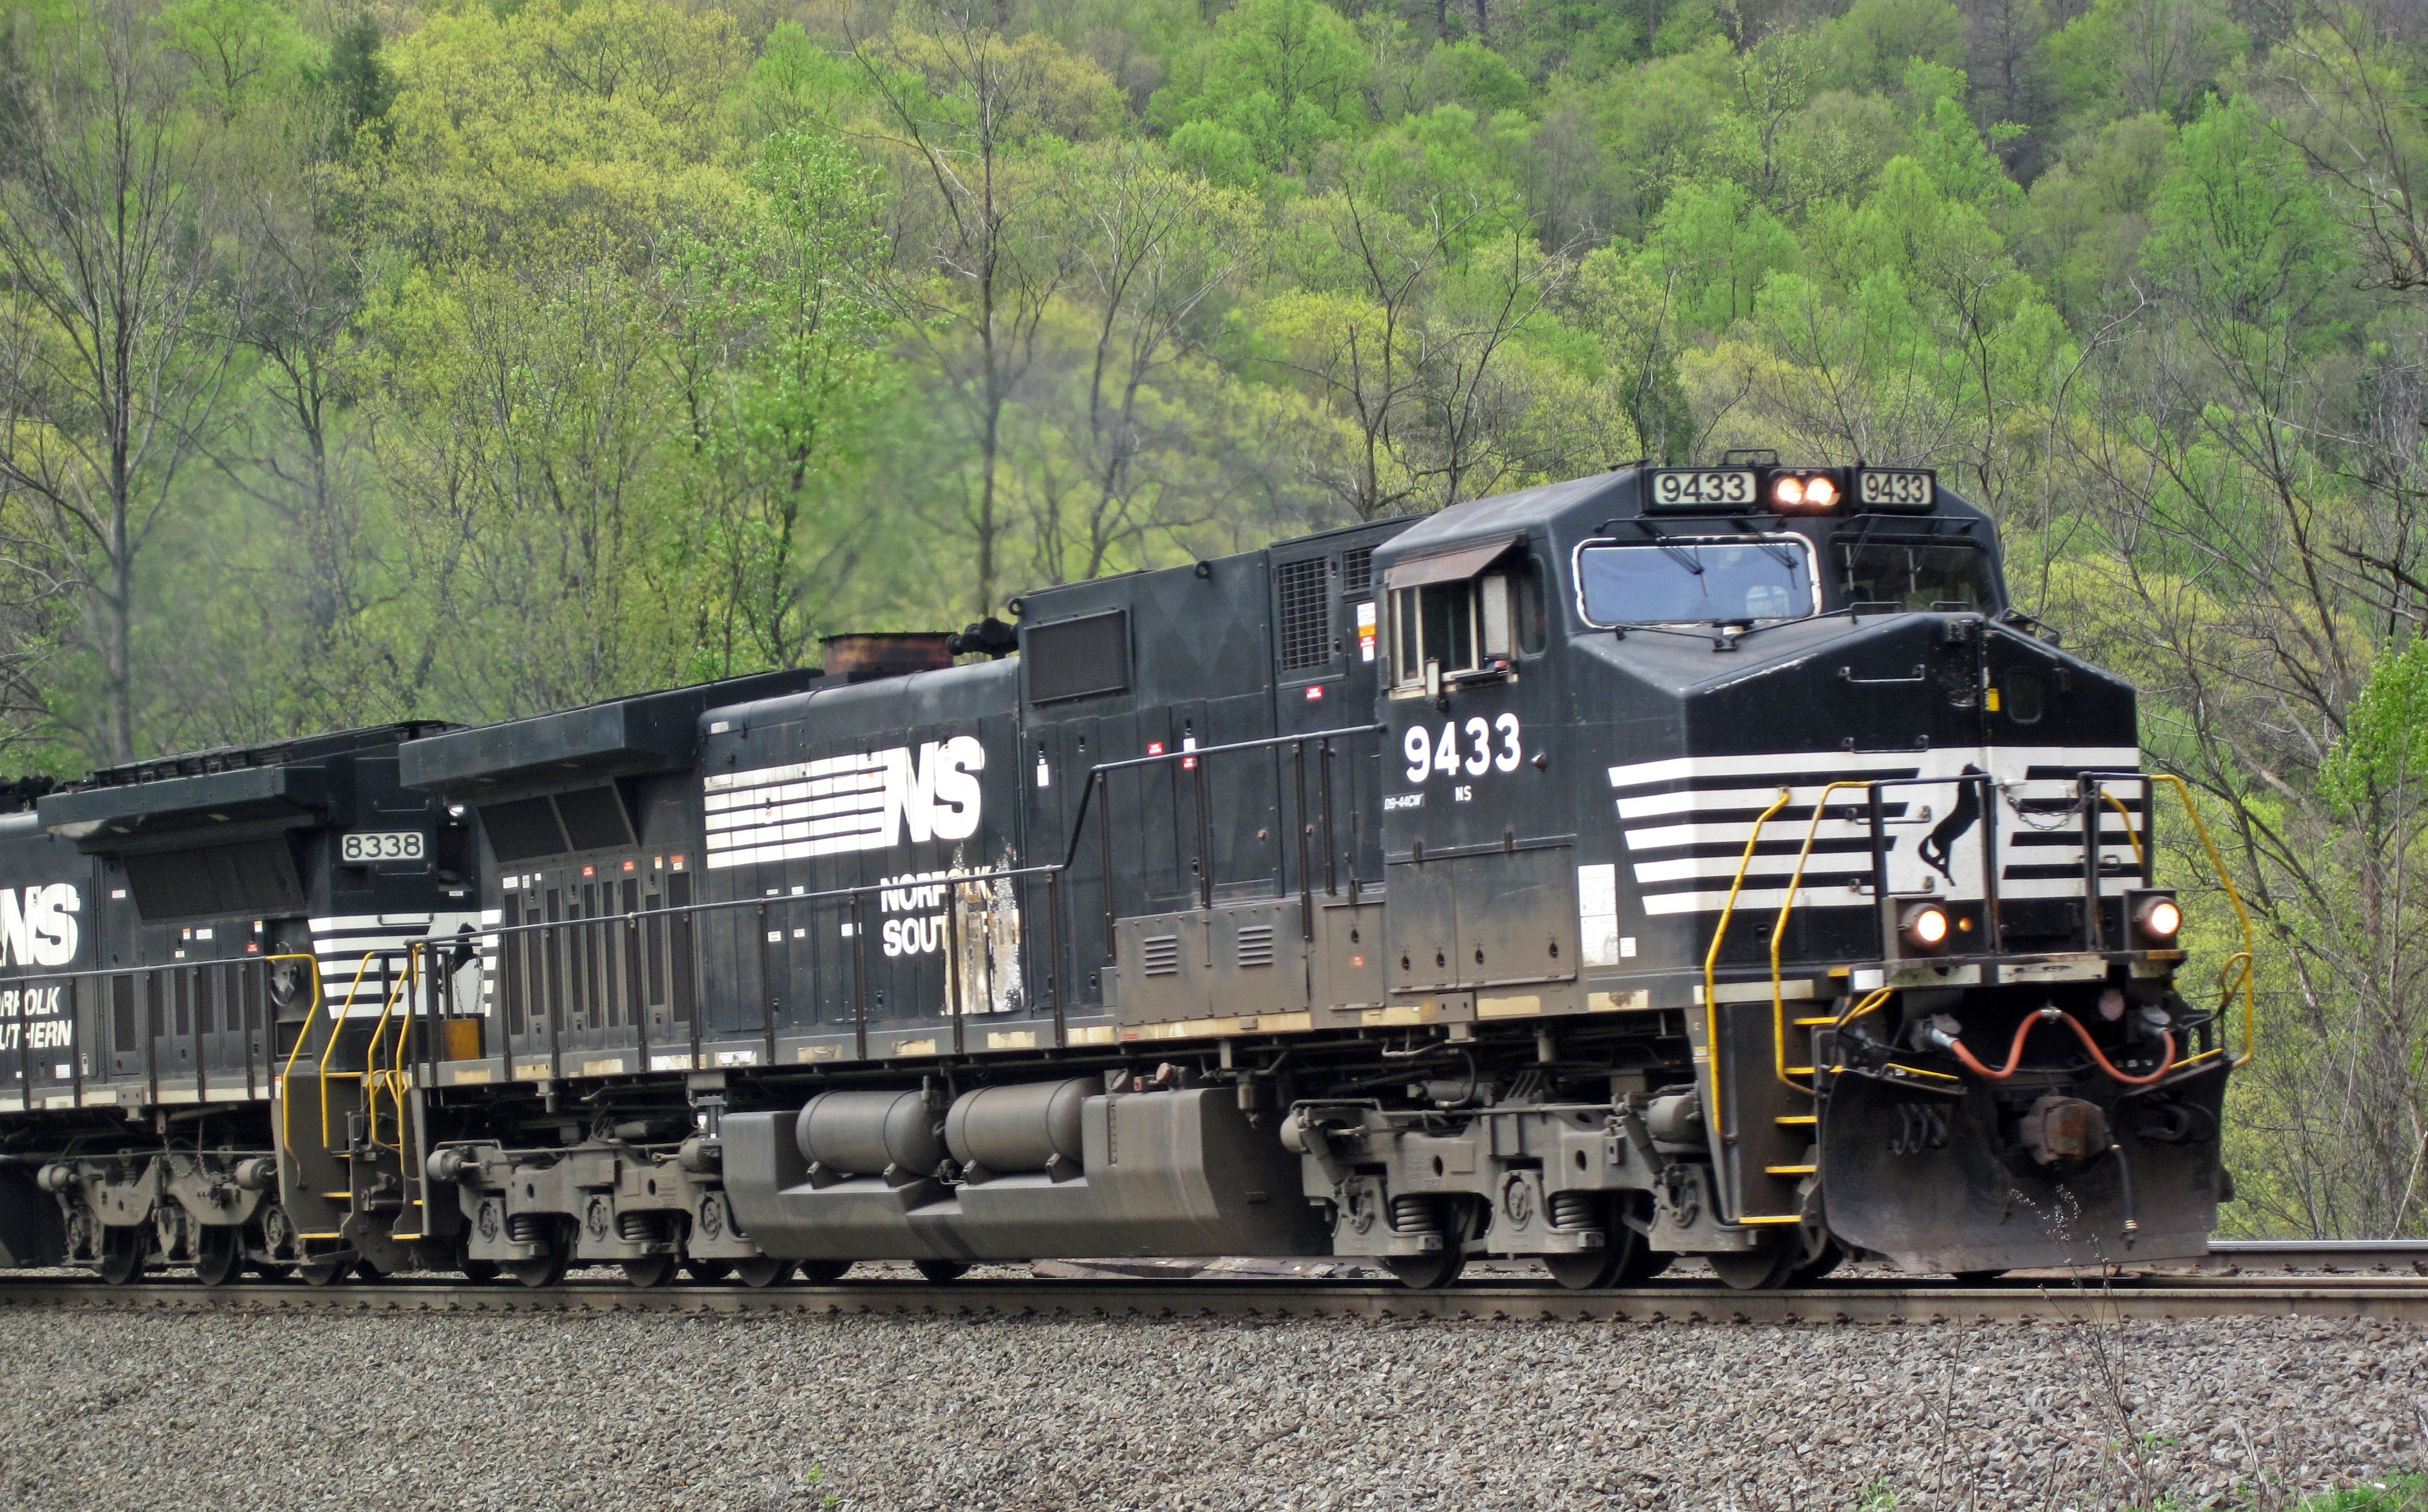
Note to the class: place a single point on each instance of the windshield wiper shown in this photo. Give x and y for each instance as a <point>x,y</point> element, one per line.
<point>1681,555</point>
<point>1772,550</point>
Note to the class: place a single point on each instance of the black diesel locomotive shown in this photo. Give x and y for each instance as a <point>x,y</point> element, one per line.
<point>1675,860</point>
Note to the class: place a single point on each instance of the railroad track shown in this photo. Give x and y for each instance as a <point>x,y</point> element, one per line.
<point>2039,1298</point>
<point>2312,1278</point>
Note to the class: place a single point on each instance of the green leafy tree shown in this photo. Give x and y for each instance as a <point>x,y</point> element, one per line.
<point>1283,76</point>
<point>780,357</point>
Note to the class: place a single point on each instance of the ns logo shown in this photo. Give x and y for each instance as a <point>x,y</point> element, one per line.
<point>38,925</point>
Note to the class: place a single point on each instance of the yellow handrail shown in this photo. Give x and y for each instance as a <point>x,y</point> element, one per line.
<point>1711,997</point>
<point>2244,957</point>
<point>311,1016</point>
<point>1779,935</point>
<point>1711,962</point>
<point>352,988</point>
<point>2130,834</point>
<point>373,1078</point>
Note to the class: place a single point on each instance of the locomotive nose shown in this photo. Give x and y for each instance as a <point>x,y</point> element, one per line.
<point>1917,682</point>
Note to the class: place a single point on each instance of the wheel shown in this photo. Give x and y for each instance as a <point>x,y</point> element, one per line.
<point>1624,1259</point>
<point>1585,1270</point>
<point>655,1271</point>
<point>708,1273</point>
<point>219,1256</point>
<point>1831,1257</point>
<point>824,1272</point>
<point>942,1272</point>
<point>1756,1270</point>
<point>541,1271</point>
<point>1977,1278</point>
<point>325,1272</point>
<point>122,1254</point>
<point>762,1270</point>
<point>1427,1272</point>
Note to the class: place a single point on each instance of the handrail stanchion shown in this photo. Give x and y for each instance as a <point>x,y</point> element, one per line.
<point>1305,884</point>
<point>955,984</point>
<point>767,987</point>
<point>1105,846</point>
<point>1994,932</point>
<point>1331,851</point>
<point>1056,978</point>
<point>859,976</point>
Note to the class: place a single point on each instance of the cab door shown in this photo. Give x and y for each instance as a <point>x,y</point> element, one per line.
<point>1478,842</point>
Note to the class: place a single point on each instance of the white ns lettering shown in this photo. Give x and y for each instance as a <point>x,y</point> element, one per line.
<point>39,929</point>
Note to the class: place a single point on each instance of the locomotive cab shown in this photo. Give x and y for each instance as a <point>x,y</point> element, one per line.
<point>1764,755</point>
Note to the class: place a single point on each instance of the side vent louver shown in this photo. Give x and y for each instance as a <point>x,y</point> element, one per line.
<point>1256,944</point>
<point>1160,955</point>
<point>1305,613</point>
<point>1356,570</point>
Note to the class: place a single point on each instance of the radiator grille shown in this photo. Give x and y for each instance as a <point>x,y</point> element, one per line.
<point>1160,955</point>
<point>1306,614</point>
<point>1358,569</point>
<point>1256,944</point>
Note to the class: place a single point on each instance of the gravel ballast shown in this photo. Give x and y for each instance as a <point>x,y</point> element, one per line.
<point>634,1412</point>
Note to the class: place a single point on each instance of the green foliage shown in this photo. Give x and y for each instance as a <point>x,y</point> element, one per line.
<point>1714,247</point>
<point>1871,47</point>
<point>1282,75</point>
<point>2242,229</point>
<point>240,49</point>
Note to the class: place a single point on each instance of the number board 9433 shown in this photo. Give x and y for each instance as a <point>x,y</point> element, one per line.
<point>1899,489</point>
<point>364,845</point>
<point>1702,488</point>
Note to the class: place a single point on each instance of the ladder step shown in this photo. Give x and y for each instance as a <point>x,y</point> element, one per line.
<point>1813,1022</point>
<point>1790,1120</point>
<point>1789,1169</point>
<point>1806,1071</point>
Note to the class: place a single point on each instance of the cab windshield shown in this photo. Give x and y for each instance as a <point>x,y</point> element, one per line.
<point>1659,583</point>
<point>1947,576</point>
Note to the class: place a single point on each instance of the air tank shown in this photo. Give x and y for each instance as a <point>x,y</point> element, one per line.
<point>1023,1127</point>
<point>869,1133</point>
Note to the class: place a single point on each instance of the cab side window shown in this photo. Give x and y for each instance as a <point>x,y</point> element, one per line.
<point>1467,625</point>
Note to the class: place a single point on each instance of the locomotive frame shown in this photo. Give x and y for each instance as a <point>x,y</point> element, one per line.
<point>1415,891</point>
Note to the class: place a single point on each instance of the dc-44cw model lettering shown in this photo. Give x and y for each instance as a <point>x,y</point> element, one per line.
<point>1701,861</point>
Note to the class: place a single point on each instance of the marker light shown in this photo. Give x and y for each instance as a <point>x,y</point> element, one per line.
<point>1925,924</point>
<point>2160,917</point>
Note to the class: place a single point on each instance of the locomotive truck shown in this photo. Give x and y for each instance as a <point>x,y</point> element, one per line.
<point>1677,861</point>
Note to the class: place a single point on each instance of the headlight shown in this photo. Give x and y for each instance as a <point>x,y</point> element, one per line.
<point>2158,917</point>
<point>1926,925</point>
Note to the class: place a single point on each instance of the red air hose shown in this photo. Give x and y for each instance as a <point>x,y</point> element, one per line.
<point>2015,1050</point>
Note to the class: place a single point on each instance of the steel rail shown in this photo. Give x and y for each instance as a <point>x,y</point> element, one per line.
<point>1895,1302</point>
